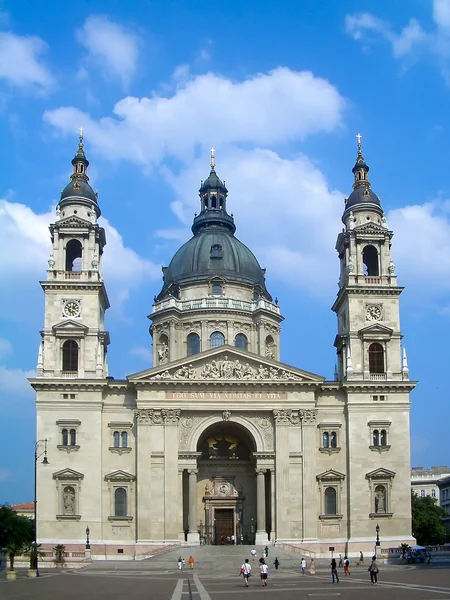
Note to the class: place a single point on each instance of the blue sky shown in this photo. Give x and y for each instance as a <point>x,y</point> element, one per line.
<point>280,89</point>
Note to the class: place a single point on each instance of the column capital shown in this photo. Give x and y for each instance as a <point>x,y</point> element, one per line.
<point>192,471</point>
<point>260,471</point>
<point>308,416</point>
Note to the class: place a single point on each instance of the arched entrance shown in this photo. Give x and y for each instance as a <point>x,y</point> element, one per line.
<point>227,484</point>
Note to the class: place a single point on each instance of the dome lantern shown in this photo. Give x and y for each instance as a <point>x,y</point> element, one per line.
<point>362,192</point>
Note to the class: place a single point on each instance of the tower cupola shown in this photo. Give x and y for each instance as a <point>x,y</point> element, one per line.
<point>213,199</point>
<point>79,190</point>
<point>362,192</point>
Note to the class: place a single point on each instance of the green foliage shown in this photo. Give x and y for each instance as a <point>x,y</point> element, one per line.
<point>33,551</point>
<point>16,532</point>
<point>405,548</point>
<point>59,549</point>
<point>427,524</point>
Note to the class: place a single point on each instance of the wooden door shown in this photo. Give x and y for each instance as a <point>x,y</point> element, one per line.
<point>224,524</point>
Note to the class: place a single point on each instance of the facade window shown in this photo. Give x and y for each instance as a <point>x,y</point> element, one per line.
<point>370,261</point>
<point>68,432</point>
<point>70,356</point>
<point>120,502</point>
<point>330,501</point>
<point>119,436</point>
<point>216,289</point>
<point>73,437</point>
<point>325,439</point>
<point>124,437</point>
<point>65,437</point>
<point>216,251</point>
<point>116,438</point>
<point>193,344</point>
<point>376,358</point>
<point>381,398</point>
<point>422,493</point>
<point>74,253</point>
<point>217,339</point>
<point>433,493</point>
<point>379,431</point>
<point>241,341</point>
<point>329,437</point>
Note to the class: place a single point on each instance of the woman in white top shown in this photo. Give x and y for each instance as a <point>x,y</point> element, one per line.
<point>264,573</point>
<point>246,571</point>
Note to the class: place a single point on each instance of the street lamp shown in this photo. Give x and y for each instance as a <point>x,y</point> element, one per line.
<point>377,529</point>
<point>37,456</point>
<point>88,545</point>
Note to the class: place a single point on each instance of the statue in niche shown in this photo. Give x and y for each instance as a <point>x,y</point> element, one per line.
<point>269,351</point>
<point>351,221</point>
<point>69,500</point>
<point>209,488</point>
<point>163,353</point>
<point>380,499</point>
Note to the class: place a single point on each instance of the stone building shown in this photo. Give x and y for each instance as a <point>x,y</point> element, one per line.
<point>424,482</point>
<point>219,438</point>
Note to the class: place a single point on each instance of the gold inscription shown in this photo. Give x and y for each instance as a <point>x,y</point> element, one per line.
<point>226,396</point>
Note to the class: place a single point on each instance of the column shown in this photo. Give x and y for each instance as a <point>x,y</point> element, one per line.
<point>180,495</point>
<point>261,533</point>
<point>272,505</point>
<point>193,536</point>
<point>172,341</point>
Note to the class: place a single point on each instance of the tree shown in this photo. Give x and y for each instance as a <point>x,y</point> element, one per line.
<point>16,532</point>
<point>427,524</point>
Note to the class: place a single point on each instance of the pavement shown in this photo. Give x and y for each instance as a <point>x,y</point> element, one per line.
<point>216,575</point>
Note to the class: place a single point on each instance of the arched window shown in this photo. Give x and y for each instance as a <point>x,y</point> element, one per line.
<point>376,437</point>
<point>330,501</point>
<point>333,439</point>
<point>370,261</point>
<point>241,341</point>
<point>65,437</point>
<point>116,437</point>
<point>383,437</point>
<point>70,356</point>
<point>325,439</point>
<point>217,339</point>
<point>193,344</point>
<point>376,358</point>
<point>73,437</point>
<point>120,502</point>
<point>74,253</point>
<point>124,439</point>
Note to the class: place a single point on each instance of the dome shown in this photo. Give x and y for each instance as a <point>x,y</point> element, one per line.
<point>214,253</point>
<point>213,182</point>
<point>362,195</point>
<point>78,188</point>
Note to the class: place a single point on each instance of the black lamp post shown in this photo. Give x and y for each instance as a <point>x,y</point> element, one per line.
<point>377,529</point>
<point>88,544</point>
<point>37,456</point>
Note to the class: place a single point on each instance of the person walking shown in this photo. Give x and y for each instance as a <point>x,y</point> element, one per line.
<point>180,562</point>
<point>303,566</point>
<point>312,567</point>
<point>253,553</point>
<point>266,550</point>
<point>276,563</point>
<point>346,566</point>
<point>191,561</point>
<point>334,573</point>
<point>340,561</point>
<point>246,571</point>
<point>361,558</point>
<point>264,573</point>
<point>373,570</point>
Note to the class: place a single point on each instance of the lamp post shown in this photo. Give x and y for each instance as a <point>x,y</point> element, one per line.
<point>88,544</point>
<point>37,456</point>
<point>252,529</point>
<point>377,543</point>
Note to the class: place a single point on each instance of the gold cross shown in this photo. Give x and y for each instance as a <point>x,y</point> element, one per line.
<point>359,137</point>
<point>81,133</point>
<point>213,162</point>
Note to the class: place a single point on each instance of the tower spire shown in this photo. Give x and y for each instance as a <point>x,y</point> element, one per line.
<point>213,161</point>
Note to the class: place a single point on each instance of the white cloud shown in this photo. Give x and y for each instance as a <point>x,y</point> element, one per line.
<point>111,47</point>
<point>13,382</point>
<point>5,348</point>
<point>143,353</point>
<point>26,249</point>
<point>277,107</point>
<point>21,62</point>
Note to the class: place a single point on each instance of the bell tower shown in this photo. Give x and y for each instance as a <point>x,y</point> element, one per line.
<point>367,305</point>
<point>74,340</point>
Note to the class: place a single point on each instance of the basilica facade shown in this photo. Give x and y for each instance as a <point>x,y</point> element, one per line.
<point>219,439</point>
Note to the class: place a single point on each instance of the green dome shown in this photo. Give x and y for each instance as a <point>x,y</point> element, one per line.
<point>198,261</point>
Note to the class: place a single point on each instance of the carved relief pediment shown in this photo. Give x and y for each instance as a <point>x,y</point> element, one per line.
<point>225,363</point>
<point>73,221</point>
<point>371,229</point>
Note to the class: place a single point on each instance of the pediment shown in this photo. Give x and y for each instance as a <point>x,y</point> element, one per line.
<point>376,330</point>
<point>68,475</point>
<point>73,221</point>
<point>371,229</point>
<point>381,474</point>
<point>69,325</point>
<point>225,363</point>
<point>330,475</point>
<point>119,476</point>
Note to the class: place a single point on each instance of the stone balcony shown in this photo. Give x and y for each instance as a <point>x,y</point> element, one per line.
<point>216,303</point>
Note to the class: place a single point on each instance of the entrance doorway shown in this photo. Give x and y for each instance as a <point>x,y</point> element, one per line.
<point>224,522</point>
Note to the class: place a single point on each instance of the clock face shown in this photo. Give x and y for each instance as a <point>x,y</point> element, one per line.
<point>72,308</point>
<point>373,313</point>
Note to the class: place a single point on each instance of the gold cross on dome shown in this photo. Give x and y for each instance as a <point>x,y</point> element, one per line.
<point>359,137</point>
<point>81,133</point>
<point>213,154</point>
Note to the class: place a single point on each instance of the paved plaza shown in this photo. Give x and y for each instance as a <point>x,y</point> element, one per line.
<point>216,576</point>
